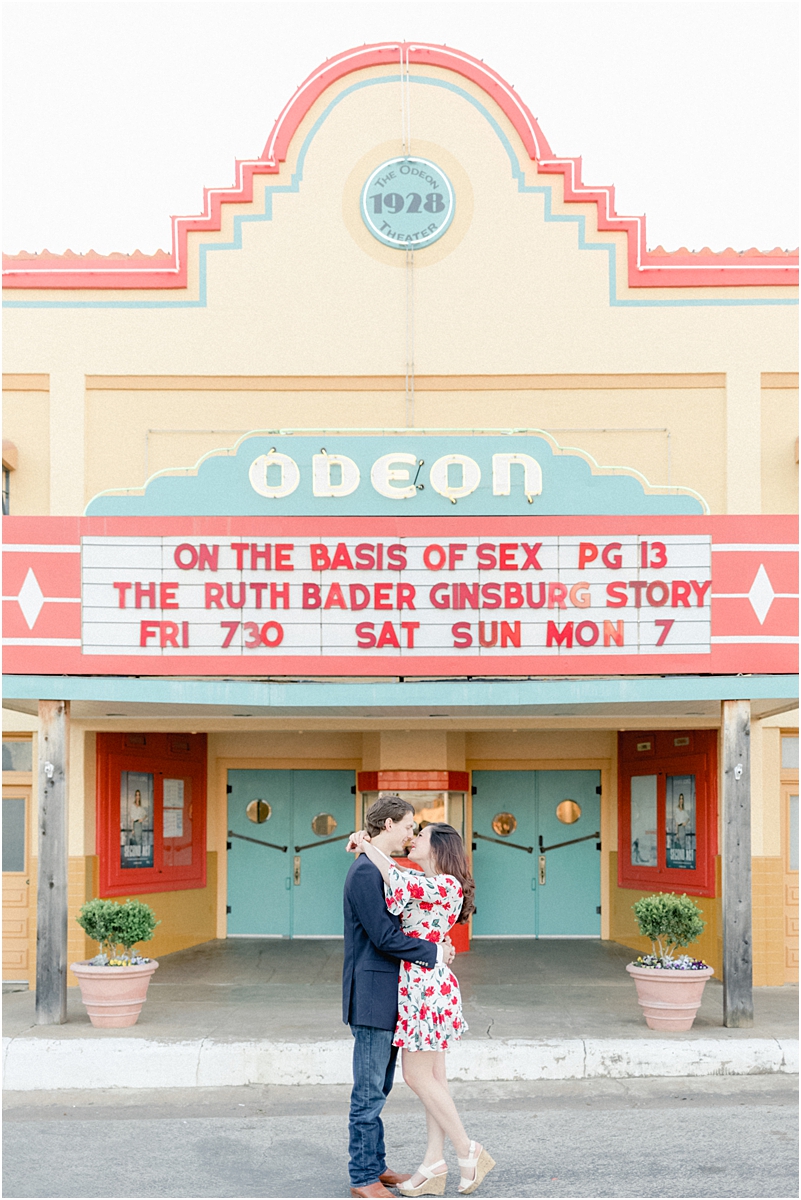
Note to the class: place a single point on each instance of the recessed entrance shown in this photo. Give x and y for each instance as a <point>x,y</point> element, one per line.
<point>542,876</point>
<point>287,869</point>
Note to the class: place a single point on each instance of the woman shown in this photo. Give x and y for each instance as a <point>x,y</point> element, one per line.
<point>428,903</point>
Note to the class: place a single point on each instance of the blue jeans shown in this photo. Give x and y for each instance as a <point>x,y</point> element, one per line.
<point>373,1072</point>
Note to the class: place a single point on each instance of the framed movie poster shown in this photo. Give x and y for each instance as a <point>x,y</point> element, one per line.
<point>680,821</point>
<point>136,819</point>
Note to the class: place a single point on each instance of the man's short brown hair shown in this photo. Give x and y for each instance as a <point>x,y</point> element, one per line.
<point>386,806</point>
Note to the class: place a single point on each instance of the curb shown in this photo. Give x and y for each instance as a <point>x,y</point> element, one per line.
<point>33,1064</point>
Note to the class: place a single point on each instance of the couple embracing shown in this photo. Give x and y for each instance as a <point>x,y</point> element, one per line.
<point>398,992</point>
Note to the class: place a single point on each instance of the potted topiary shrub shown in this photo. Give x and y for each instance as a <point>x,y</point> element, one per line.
<point>114,983</point>
<point>669,988</point>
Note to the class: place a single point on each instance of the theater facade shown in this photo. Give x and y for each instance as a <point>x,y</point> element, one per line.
<point>410,466</point>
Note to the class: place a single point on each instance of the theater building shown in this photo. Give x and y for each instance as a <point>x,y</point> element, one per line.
<point>410,466</point>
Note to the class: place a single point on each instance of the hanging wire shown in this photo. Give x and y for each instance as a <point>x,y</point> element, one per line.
<point>409,407</point>
<point>406,145</point>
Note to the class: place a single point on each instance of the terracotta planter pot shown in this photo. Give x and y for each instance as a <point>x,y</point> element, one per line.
<point>113,995</point>
<point>669,999</point>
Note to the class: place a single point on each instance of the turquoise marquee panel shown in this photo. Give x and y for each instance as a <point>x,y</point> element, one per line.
<point>394,475</point>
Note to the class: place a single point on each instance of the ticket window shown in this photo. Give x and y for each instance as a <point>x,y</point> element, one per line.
<point>430,807</point>
<point>432,804</point>
<point>667,811</point>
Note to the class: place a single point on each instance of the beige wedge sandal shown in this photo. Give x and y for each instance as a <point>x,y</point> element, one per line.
<point>482,1163</point>
<point>433,1184</point>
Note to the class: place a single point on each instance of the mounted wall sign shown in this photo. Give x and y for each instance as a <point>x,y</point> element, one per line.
<point>525,595</point>
<point>407,203</point>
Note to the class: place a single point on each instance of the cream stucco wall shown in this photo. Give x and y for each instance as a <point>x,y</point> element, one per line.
<point>306,326</point>
<point>26,423</point>
<point>779,449</point>
<point>506,292</point>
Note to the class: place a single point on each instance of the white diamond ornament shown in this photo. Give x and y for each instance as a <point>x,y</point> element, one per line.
<point>761,594</point>
<point>30,599</point>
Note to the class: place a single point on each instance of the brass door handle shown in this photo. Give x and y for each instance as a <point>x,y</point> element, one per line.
<point>296,871</point>
<point>542,870</point>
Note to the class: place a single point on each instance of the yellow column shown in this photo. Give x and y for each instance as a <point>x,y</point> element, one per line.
<point>67,455</point>
<point>743,440</point>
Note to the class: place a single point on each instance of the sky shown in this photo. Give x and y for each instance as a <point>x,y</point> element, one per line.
<point>117,114</point>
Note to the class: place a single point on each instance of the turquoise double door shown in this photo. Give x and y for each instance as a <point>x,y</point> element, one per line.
<point>535,859</point>
<point>287,832</point>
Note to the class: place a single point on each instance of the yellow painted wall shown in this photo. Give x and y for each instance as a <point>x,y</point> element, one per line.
<point>779,450</point>
<point>766,823</point>
<point>187,917</point>
<point>767,887</point>
<point>539,744</point>
<point>623,927</point>
<point>767,921</point>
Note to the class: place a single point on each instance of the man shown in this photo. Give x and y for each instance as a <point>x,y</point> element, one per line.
<point>374,945</point>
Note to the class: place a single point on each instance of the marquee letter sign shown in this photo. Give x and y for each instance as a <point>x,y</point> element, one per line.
<point>536,596</point>
<point>399,555</point>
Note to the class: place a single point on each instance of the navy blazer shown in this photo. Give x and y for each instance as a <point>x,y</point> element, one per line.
<point>374,945</point>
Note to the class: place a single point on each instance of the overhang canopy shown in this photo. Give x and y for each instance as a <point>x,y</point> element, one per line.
<point>609,702</point>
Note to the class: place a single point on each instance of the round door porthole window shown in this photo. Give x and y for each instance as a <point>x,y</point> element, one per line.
<point>568,812</point>
<point>323,824</point>
<point>504,824</point>
<point>407,202</point>
<point>258,811</point>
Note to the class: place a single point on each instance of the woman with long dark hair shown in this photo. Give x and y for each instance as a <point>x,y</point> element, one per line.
<point>429,903</point>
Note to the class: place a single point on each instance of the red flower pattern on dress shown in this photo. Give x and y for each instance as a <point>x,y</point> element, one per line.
<point>430,1006</point>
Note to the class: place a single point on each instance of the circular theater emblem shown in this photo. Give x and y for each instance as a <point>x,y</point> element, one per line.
<point>407,203</point>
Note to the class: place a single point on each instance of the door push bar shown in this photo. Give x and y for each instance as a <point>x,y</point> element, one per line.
<point>498,842</point>
<point>324,842</point>
<point>572,842</point>
<point>257,841</point>
<point>557,846</point>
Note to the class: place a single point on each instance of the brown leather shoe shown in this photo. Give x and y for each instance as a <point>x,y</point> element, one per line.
<point>393,1178</point>
<point>372,1189</point>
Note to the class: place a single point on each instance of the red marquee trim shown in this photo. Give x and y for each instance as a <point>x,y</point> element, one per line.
<point>645,268</point>
<point>414,781</point>
<point>740,641</point>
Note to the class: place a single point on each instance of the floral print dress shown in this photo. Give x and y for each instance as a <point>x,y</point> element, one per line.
<point>429,1002</point>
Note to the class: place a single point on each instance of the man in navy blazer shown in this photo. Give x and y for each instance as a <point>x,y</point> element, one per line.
<point>374,946</point>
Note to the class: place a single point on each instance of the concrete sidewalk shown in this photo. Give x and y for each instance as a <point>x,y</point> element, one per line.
<point>268,1011</point>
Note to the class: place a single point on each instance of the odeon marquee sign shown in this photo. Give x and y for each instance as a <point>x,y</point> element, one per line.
<point>510,558</point>
<point>395,475</point>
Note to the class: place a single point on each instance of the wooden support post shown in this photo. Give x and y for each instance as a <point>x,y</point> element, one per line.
<point>738,1000</point>
<point>51,915</point>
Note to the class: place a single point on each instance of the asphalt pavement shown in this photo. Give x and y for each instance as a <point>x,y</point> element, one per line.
<point>716,1136</point>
